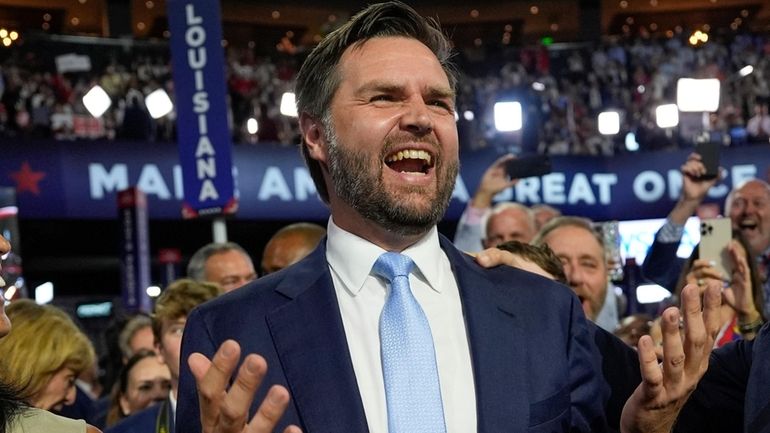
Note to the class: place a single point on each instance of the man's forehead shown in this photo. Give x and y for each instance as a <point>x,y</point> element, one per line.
<point>754,188</point>
<point>354,53</point>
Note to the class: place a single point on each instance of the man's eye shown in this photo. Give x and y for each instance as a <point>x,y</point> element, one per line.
<point>442,104</point>
<point>377,98</point>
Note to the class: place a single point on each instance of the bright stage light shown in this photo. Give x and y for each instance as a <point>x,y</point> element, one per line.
<point>746,70</point>
<point>44,293</point>
<point>697,95</point>
<point>288,105</point>
<point>667,115</point>
<point>97,101</point>
<point>609,122</point>
<point>158,103</point>
<point>508,116</point>
<point>252,125</point>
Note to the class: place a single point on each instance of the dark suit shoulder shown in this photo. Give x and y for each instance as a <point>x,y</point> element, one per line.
<point>140,422</point>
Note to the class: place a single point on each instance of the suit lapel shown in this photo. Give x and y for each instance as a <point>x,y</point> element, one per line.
<point>310,341</point>
<point>498,347</point>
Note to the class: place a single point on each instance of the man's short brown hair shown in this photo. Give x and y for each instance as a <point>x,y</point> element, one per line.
<point>541,255</point>
<point>179,299</point>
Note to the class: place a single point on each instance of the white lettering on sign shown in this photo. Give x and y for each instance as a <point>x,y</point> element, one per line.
<point>649,186</point>
<point>205,156</point>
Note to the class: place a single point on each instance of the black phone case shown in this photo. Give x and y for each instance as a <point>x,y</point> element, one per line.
<point>528,166</point>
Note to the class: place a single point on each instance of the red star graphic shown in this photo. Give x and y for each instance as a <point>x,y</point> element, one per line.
<point>26,179</point>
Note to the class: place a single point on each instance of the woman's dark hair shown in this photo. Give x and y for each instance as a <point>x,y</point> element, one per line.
<point>10,406</point>
<point>115,413</point>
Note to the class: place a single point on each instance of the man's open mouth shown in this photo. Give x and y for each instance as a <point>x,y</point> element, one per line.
<point>410,161</point>
<point>748,225</point>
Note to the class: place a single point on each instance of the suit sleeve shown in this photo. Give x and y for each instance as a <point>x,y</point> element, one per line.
<point>661,265</point>
<point>196,339</point>
<point>717,403</point>
<point>620,369</point>
<point>589,393</point>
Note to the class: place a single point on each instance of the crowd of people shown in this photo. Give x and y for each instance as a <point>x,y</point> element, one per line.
<point>379,323</point>
<point>562,90</point>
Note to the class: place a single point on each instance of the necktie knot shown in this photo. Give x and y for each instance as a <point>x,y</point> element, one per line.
<point>391,265</point>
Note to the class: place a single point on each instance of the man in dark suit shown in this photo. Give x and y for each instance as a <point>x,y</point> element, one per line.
<point>376,104</point>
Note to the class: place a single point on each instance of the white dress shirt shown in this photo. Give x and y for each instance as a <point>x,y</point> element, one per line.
<point>361,297</point>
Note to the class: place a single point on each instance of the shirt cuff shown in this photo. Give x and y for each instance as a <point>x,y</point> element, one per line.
<point>474,215</point>
<point>670,232</point>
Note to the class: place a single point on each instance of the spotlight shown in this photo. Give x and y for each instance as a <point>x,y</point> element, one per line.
<point>158,103</point>
<point>44,293</point>
<point>97,101</point>
<point>609,122</point>
<point>508,116</point>
<point>746,70</point>
<point>153,291</point>
<point>288,105</point>
<point>468,115</point>
<point>667,115</point>
<point>697,95</point>
<point>631,144</point>
<point>252,125</point>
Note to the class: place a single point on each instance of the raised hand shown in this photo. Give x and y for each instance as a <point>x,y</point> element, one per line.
<point>227,411</point>
<point>665,387</point>
<point>494,180</point>
<point>694,188</point>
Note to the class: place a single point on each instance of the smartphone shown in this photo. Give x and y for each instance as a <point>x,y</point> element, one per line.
<point>709,154</point>
<point>715,234</point>
<point>528,166</point>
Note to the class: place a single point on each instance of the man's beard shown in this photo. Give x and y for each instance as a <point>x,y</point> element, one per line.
<point>360,185</point>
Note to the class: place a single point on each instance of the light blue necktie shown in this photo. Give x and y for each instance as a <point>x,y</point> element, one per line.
<point>409,369</point>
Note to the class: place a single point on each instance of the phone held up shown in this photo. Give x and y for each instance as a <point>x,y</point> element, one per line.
<point>528,166</point>
<point>715,235</point>
<point>709,153</point>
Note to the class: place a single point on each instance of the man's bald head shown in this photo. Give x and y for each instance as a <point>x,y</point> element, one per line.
<point>290,245</point>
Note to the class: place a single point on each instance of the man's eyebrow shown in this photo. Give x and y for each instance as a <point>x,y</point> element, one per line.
<point>380,86</point>
<point>441,92</point>
<point>389,87</point>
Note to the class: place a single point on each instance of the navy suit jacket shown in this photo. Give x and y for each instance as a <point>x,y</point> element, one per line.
<point>734,394</point>
<point>535,366</point>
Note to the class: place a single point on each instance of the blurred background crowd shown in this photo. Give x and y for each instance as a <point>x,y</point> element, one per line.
<point>563,87</point>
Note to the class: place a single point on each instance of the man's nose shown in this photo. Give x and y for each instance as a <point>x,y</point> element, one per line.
<point>417,118</point>
<point>574,276</point>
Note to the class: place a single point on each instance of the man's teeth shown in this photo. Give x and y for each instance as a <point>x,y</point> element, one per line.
<point>748,224</point>
<point>410,154</point>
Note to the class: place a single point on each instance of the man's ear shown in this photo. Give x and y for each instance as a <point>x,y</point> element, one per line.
<point>313,135</point>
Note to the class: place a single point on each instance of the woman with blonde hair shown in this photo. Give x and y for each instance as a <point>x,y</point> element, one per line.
<point>41,357</point>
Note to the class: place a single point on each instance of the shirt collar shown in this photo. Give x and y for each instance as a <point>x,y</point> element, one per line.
<point>351,257</point>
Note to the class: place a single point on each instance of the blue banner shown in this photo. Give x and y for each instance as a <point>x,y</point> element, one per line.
<point>134,250</point>
<point>81,179</point>
<point>199,84</point>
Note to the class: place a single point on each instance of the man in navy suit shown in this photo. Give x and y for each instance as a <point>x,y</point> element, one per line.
<point>376,104</point>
